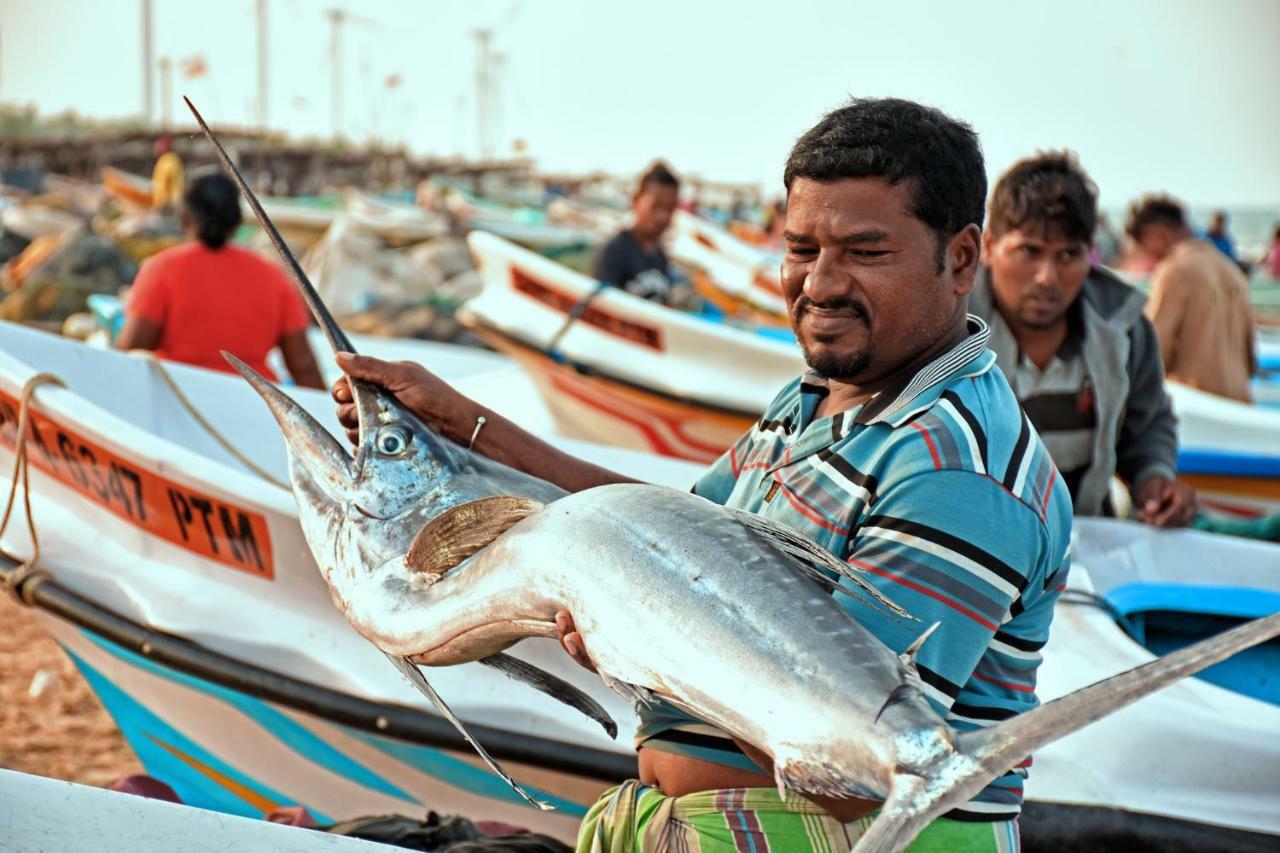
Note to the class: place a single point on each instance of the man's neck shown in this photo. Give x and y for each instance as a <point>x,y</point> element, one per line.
<point>1039,345</point>
<point>644,241</point>
<point>842,395</point>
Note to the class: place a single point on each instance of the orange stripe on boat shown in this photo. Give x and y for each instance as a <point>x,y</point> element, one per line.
<point>636,333</point>
<point>244,792</point>
<point>200,523</point>
<point>1254,487</point>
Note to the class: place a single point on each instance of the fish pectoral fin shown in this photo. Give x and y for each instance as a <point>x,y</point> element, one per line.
<point>418,680</point>
<point>633,693</point>
<point>555,687</point>
<point>898,694</point>
<point>463,530</point>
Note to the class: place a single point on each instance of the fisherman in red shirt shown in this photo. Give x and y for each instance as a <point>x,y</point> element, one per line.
<point>192,301</point>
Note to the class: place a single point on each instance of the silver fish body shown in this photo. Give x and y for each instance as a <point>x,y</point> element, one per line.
<point>676,598</point>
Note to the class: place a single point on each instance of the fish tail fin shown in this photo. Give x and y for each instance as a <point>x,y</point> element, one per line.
<point>1001,746</point>
<point>987,754</point>
<point>898,823</point>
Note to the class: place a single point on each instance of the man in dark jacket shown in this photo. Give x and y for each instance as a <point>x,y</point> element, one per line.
<point>1074,344</point>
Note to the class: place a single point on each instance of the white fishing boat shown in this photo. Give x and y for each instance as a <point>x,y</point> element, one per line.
<point>49,816</point>
<point>628,372</point>
<point>1230,451</point>
<point>179,583</point>
<point>742,271</point>
<point>396,222</point>
<point>289,214</point>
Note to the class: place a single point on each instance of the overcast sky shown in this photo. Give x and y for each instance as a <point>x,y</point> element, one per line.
<point>1174,95</point>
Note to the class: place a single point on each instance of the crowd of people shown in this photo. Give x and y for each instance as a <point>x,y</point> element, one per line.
<point>1086,353</point>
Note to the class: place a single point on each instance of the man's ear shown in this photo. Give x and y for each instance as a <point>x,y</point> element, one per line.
<point>964,253</point>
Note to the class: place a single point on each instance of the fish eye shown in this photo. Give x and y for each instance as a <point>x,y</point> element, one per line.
<point>391,440</point>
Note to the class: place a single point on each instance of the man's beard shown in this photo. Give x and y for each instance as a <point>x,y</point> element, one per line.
<point>829,364</point>
<point>837,365</point>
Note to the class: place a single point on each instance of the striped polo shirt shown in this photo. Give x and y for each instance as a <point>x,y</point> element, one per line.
<point>940,491</point>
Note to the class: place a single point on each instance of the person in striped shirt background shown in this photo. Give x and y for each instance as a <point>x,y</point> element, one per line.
<point>902,450</point>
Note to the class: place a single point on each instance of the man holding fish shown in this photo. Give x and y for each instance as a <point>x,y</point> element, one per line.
<point>902,451</point>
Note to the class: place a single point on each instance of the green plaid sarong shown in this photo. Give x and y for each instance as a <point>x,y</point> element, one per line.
<point>632,818</point>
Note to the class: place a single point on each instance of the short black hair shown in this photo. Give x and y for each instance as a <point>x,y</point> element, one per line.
<point>1155,210</point>
<point>1049,192</point>
<point>212,205</point>
<point>900,140</point>
<point>659,175</point>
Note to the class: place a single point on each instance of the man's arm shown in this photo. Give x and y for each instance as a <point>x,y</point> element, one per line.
<point>455,416</point>
<point>1255,366</point>
<point>1147,443</point>
<point>144,311</point>
<point>138,333</point>
<point>300,360</point>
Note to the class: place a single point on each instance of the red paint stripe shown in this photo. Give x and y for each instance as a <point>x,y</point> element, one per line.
<point>1007,685</point>
<point>954,605</point>
<point>733,461</point>
<point>933,451</point>
<point>692,449</point>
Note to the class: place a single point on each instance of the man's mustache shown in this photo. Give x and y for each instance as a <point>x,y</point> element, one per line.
<point>853,306</point>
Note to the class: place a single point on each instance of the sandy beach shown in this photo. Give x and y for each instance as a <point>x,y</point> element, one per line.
<point>63,732</point>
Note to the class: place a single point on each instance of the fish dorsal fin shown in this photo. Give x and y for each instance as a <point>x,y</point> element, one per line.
<point>912,683</point>
<point>908,657</point>
<point>811,559</point>
<point>461,531</point>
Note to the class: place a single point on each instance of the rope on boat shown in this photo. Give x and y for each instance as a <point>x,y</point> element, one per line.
<point>14,581</point>
<point>200,419</point>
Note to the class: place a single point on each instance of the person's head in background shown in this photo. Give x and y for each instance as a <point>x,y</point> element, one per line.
<point>654,202</point>
<point>1040,226</point>
<point>211,209</point>
<point>163,145</point>
<point>1156,224</point>
<point>1218,223</point>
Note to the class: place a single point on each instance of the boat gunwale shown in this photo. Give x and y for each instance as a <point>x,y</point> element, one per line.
<point>388,719</point>
<point>484,330</point>
<point>162,456</point>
